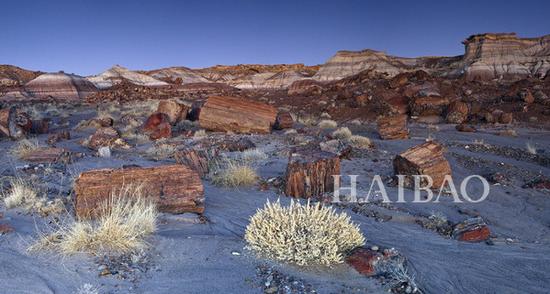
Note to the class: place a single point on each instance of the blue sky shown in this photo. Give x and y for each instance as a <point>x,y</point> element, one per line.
<point>87,37</point>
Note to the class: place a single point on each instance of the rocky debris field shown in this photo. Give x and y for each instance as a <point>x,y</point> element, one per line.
<point>209,163</point>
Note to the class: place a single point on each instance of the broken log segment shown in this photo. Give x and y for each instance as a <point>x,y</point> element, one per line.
<point>284,121</point>
<point>197,160</point>
<point>424,159</point>
<point>175,188</point>
<point>239,115</point>
<point>393,127</point>
<point>309,172</point>
<point>48,155</point>
<point>175,110</point>
<point>14,124</point>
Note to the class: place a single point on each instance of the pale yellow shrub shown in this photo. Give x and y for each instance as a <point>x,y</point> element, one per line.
<point>302,234</point>
<point>342,133</point>
<point>360,142</point>
<point>25,147</point>
<point>327,124</point>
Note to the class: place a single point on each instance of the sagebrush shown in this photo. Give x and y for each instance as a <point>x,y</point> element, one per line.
<point>304,234</point>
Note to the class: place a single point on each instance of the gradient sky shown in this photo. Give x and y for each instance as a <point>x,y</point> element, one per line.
<point>87,37</point>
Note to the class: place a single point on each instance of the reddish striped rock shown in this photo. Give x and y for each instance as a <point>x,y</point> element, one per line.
<point>472,230</point>
<point>175,188</point>
<point>157,126</point>
<point>393,127</point>
<point>424,159</point>
<point>239,115</point>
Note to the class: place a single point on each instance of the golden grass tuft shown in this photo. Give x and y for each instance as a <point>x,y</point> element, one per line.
<point>124,221</point>
<point>22,194</point>
<point>360,142</point>
<point>308,234</point>
<point>327,124</point>
<point>25,147</point>
<point>235,175</point>
<point>342,133</point>
<point>200,134</point>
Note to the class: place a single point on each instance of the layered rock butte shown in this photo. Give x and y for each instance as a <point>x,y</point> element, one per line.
<point>488,57</point>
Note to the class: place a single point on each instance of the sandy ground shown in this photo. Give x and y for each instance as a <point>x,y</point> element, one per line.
<point>187,256</point>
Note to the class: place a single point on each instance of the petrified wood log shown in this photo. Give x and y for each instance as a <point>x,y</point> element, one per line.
<point>429,106</point>
<point>393,127</point>
<point>157,126</point>
<point>175,188</point>
<point>103,137</point>
<point>309,172</point>
<point>223,113</point>
<point>48,155</point>
<point>283,121</point>
<point>457,112</point>
<point>14,124</point>
<point>424,159</point>
<point>174,110</point>
<point>198,160</point>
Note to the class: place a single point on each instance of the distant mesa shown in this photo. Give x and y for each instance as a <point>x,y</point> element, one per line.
<point>488,56</point>
<point>60,86</point>
<point>117,74</point>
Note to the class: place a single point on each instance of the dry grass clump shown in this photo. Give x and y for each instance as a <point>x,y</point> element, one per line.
<point>235,175</point>
<point>161,151</point>
<point>360,142</point>
<point>531,149</point>
<point>252,155</point>
<point>327,124</point>
<point>508,133</point>
<point>124,221</point>
<point>342,133</point>
<point>25,147</point>
<point>25,194</point>
<point>302,234</point>
<point>200,134</point>
<point>22,194</point>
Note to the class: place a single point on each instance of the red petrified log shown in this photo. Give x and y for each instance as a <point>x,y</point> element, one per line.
<point>393,127</point>
<point>424,159</point>
<point>223,113</point>
<point>175,188</point>
<point>309,173</point>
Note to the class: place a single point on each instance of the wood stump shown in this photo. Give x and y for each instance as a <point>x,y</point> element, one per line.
<point>309,172</point>
<point>175,188</point>
<point>175,111</point>
<point>284,121</point>
<point>239,115</point>
<point>393,127</point>
<point>197,160</point>
<point>424,159</point>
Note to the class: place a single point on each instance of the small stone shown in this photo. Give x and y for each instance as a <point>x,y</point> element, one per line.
<point>235,253</point>
<point>374,248</point>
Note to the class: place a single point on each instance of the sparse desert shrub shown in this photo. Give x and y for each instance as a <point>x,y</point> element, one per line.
<point>22,194</point>
<point>24,147</point>
<point>25,194</point>
<point>398,277</point>
<point>531,149</point>
<point>307,120</point>
<point>161,151</point>
<point>199,134</point>
<point>235,175</point>
<point>342,133</point>
<point>291,132</point>
<point>87,289</point>
<point>508,133</point>
<point>302,234</point>
<point>327,124</point>
<point>124,221</point>
<point>360,142</point>
<point>252,155</point>
<point>325,115</point>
